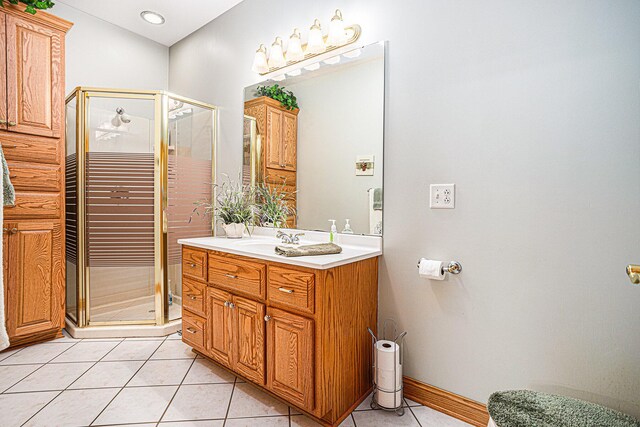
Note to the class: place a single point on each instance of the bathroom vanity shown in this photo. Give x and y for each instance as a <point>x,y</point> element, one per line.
<point>296,327</point>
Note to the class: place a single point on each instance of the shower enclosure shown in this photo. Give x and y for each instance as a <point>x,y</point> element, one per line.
<point>136,164</point>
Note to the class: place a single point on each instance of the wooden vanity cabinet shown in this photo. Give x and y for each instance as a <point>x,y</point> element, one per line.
<point>32,131</point>
<point>299,333</point>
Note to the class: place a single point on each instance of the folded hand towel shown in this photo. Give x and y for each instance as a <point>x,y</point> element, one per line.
<point>308,250</point>
<point>8,192</point>
<point>377,199</point>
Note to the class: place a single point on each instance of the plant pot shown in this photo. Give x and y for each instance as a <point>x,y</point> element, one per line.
<point>233,231</point>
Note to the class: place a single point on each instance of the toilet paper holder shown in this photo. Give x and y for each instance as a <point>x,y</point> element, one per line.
<point>454,267</point>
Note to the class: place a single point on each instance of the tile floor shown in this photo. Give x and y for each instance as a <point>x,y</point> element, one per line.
<point>144,382</point>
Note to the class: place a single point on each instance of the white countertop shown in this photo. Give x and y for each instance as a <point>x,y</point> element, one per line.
<point>262,242</point>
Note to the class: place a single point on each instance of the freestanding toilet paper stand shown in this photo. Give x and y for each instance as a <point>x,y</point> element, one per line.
<point>390,334</point>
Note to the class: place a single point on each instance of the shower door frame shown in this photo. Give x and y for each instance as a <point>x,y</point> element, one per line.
<point>83,96</point>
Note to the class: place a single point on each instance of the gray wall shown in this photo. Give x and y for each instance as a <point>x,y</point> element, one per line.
<point>531,108</point>
<point>341,117</point>
<point>101,54</point>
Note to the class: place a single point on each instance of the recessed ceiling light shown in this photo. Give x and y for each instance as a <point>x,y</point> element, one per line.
<point>152,17</point>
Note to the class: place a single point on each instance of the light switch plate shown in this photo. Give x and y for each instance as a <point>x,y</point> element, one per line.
<point>442,196</point>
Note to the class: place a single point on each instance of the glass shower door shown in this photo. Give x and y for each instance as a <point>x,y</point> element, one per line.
<point>190,178</point>
<point>120,226</point>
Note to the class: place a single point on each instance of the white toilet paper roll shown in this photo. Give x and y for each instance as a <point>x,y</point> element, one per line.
<point>387,354</point>
<point>430,269</point>
<point>388,380</point>
<point>389,399</point>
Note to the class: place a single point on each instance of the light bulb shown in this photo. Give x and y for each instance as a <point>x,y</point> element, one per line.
<point>294,50</point>
<point>260,61</point>
<point>337,35</point>
<point>316,42</point>
<point>276,57</point>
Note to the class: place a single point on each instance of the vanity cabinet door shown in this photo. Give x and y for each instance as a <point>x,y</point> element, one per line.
<point>274,139</point>
<point>219,326</point>
<point>290,357</point>
<point>34,82</point>
<point>289,144</point>
<point>249,339</point>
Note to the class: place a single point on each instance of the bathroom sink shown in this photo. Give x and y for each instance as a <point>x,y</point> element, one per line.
<point>258,244</point>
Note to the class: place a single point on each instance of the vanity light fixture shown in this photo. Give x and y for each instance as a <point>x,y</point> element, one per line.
<point>312,67</point>
<point>260,64</point>
<point>152,17</point>
<point>332,60</point>
<point>352,53</point>
<point>316,41</point>
<point>276,57</point>
<point>294,73</point>
<point>339,36</point>
<point>294,49</point>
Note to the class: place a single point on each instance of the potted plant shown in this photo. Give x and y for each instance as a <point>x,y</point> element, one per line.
<point>272,207</point>
<point>31,6</point>
<point>279,93</point>
<point>234,207</point>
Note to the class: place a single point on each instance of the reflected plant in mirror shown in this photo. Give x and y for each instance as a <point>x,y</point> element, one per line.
<point>273,205</point>
<point>323,145</point>
<point>234,207</point>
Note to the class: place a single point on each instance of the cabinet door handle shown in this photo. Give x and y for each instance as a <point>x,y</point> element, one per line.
<point>286,291</point>
<point>282,165</point>
<point>5,230</point>
<point>193,297</point>
<point>9,146</point>
<point>231,276</point>
<point>226,303</point>
<point>13,230</point>
<point>232,305</point>
<point>3,122</point>
<point>267,318</point>
<point>191,330</point>
<point>192,265</point>
<point>11,123</point>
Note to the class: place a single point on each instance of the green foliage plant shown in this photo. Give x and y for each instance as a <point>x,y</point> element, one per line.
<point>31,5</point>
<point>279,93</point>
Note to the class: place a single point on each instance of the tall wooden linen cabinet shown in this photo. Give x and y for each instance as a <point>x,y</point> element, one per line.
<point>32,129</point>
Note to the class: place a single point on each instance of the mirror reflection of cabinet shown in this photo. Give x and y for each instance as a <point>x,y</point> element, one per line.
<point>278,130</point>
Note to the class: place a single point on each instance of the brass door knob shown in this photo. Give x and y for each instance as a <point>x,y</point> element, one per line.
<point>633,271</point>
<point>11,123</point>
<point>3,122</point>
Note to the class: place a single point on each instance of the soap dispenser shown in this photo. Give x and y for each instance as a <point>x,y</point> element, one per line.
<point>334,231</point>
<point>347,228</point>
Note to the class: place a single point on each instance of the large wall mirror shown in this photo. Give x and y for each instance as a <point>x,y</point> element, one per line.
<point>323,159</point>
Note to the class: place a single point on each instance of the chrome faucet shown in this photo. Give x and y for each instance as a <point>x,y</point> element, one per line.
<point>292,239</point>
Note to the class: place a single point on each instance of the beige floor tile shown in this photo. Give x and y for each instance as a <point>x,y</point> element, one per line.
<point>51,377</point>
<point>39,353</point>
<point>173,349</point>
<point>108,374</point>
<point>249,401</point>
<point>73,408</point>
<point>6,353</point>
<point>410,402</point>
<point>205,372</point>
<point>199,402</point>
<point>86,351</point>
<point>175,336</point>
<point>161,372</point>
<point>258,422</point>
<point>304,421</point>
<point>11,374</point>
<point>18,408</point>
<point>431,417</point>
<point>384,419</point>
<point>366,404</point>
<point>133,350</point>
<point>137,405</point>
<point>207,423</point>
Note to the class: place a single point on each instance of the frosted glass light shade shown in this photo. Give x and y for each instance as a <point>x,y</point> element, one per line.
<point>260,60</point>
<point>294,50</point>
<point>337,35</point>
<point>315,44</point>
<point>276,57</point>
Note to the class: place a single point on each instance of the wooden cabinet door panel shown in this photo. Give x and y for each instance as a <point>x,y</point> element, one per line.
<point>289,145</point>
<point>34,78</point>
<point>290,357</point>
<point>273,149</point>
<point>35,284</point>
<point>219,325</point>
<point>3,73</point>
<point>249,339</point>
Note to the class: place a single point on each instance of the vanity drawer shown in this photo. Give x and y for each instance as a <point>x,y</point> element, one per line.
<point>281,177</point>
<point>291,288</point>
<point>193,328</point>
<point>33,177</point>
<point>237,275</point>
<point>193,296</point>
<point>194,263</point>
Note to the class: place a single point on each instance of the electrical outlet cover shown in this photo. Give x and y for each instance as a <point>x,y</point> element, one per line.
<point>442,196</point>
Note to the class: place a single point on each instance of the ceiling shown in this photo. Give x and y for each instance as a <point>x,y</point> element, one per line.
<point>181,17</point>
